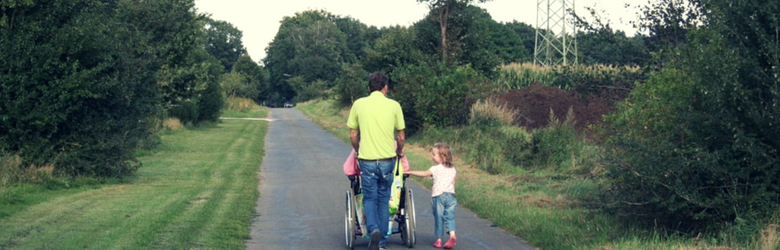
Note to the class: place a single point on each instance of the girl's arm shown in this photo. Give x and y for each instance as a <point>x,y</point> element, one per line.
<point>425,173</point>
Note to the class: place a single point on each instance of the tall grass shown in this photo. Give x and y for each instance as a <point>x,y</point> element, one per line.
<point>12,171</point>
<point>491,111</point>
<point>239,104</point>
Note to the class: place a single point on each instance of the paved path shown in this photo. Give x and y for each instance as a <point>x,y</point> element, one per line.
<point>302,196</point>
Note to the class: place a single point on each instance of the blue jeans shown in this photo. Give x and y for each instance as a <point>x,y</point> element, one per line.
<point>443,207</point>
<point>375,180</point>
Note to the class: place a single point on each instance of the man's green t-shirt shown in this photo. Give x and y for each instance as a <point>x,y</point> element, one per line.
<point>378,118</point>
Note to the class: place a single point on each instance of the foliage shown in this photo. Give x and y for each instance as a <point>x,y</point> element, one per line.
<point>668,21</point>
<point>599,44</point>
<point>231,83</point>
<point>599,47</point>
<point>309,45</point>
<point>210,102</point>
<point>358,35</point>
<point>473,37</point>
<point>556,144</point>
<point>85,83</point>
<point>351,85</point>
<point>527,34</point>
<point>77,89</point>
<point>223,41</point>
<point>396,47</point>
<point>442,11</point>
<point>697,144</point>
<point>306,90</point>
<point>255,84</point>
<point>436,95</point>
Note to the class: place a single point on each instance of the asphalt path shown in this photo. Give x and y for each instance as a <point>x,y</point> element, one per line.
<point>302,196</point>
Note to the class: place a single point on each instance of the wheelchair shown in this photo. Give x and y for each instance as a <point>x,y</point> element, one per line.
<point>354,218</point>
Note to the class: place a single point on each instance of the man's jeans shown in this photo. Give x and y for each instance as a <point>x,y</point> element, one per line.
<point>443,207</point>
<point>376,179</point>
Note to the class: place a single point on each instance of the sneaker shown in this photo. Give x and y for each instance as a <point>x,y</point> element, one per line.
<point>374,243</point>
<point>437,244</point>
<point>450,243</point>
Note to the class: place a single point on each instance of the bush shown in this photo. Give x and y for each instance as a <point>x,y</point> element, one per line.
<point>555,144</point>
<point>436,96</point>
<point>78,86</point>
<point>210,102</point>
<point>186,111</point>
<point>351,85</point>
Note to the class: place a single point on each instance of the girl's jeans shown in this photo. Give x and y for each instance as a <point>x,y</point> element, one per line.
<point>376,177</point>
<point>443,207</point>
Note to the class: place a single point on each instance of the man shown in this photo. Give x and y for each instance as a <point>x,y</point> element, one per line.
<point>376,123</point>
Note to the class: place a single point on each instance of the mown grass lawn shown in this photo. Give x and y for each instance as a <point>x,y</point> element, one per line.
<point>196,191</point>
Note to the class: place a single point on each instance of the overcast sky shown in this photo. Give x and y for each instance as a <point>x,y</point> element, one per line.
<point>259,19</point>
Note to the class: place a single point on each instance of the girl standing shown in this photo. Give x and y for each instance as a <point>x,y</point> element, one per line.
<point>443,201</point>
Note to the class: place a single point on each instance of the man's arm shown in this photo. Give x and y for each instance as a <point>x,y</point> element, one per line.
<point>400,137</point>
<point>353,136</point>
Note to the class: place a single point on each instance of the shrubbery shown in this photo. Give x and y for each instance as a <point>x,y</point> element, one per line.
<point>437,95</point>
<point>351,85</point>
<point>495,144</point>
<point>84,84</point>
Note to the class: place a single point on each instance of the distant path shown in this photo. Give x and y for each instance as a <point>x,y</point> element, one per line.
<point>302,189</point>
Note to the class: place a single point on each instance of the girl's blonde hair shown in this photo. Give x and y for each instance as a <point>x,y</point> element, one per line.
<point>444,154</point>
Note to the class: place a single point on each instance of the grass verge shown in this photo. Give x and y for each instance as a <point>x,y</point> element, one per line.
<point>255,112</point>
<point>196,191</point>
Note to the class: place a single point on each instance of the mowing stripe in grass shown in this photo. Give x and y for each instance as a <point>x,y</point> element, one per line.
<point>197,191</point>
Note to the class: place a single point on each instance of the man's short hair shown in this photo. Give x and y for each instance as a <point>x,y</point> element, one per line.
<point>377,81</point>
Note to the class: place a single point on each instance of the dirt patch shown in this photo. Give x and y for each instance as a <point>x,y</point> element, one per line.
<point>534,103</point>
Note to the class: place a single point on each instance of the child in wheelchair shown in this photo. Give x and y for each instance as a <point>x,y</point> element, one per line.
<point>352,171</point>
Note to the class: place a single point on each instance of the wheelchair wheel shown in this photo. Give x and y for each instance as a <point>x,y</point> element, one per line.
<point>350,220</point>
<point>409,235</point>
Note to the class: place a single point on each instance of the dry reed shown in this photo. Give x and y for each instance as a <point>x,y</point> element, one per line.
<point>491,109</point>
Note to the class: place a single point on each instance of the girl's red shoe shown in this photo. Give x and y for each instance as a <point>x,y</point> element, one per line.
<point>437,244</point>
<point>450,243</point>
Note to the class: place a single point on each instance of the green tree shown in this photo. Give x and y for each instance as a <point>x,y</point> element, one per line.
<point>697,145</point>
<point>600,44</point>
<point>527,34</point>
<point>358,35</point>
<point>309,45</point>
<point>474,38</point>
<point>80,79</point>
<point>255,86</point>
<point>398,46</point>
<point>443,11</point>
<point>351,85</point>
<point>223,41</point>
<point>435,95</point>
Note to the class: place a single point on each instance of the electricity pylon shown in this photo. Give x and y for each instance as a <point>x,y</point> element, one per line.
<point>556,37</point>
